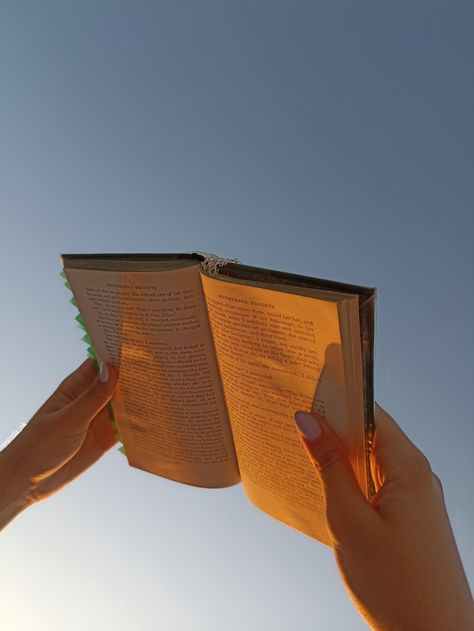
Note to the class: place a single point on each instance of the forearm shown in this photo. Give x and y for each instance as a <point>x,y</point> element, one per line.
<point>15,492</point>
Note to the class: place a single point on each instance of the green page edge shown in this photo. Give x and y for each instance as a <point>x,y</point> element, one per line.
<point>92,354</point>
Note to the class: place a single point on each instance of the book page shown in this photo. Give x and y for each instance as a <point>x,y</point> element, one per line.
<point>169,404</point>
<point>278,353</point>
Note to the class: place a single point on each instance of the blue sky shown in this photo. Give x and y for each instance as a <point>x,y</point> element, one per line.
<point>322,138</point>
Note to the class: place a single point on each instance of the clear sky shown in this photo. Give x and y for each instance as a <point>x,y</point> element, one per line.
<point>333,139</point>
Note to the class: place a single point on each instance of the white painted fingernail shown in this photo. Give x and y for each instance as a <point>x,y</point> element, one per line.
<point>103,373</point>
<point>307,425</point>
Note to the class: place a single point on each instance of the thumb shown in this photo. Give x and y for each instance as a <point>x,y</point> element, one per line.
<point>95,396</point>
<point>346,507</point>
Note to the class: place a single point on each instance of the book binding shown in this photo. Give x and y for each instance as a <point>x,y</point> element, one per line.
<point>213,263</point>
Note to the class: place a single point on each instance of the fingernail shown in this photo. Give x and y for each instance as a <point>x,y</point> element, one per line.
<point>104,372</point>
<point>307,425</point>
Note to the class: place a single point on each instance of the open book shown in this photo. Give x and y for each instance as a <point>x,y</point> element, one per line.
<point>214,359</point>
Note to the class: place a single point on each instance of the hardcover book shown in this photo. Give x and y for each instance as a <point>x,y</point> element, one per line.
<point>214,359</point>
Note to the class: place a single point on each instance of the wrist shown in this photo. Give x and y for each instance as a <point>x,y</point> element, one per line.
<point>16,491</point>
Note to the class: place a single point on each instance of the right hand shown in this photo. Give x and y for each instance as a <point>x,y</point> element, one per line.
<point>67,435</point>
<point>397,555</point>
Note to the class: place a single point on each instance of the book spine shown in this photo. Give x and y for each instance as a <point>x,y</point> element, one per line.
<point>92,354</point>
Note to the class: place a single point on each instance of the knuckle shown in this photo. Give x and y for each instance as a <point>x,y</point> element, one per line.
<point>423,466</point>
<point>420,470</point>
<point>328,459</point>
<point>91,395</point>
<point>438,483</point>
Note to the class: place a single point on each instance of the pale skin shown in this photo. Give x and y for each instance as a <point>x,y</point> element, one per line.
<point>69,432</point>
<point>397,555</point>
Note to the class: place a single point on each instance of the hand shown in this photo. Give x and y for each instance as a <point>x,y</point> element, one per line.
<point>397,555</point>
<point>70,432</point>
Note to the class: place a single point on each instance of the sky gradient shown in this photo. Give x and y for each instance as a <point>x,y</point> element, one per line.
<point>332,139</point>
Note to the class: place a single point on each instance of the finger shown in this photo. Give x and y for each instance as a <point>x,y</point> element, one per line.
<point>100,437</point>
<point>72,386</point>
<point>346,507</point>
<point>102,430</point>
<point>87,404</point>
<point>394,456</point>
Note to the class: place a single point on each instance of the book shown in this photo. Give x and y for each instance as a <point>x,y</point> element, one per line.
<point>214,359</point>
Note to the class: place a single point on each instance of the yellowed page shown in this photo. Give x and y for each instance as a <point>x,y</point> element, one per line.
<point>169,404</point>
<point>274,349</point>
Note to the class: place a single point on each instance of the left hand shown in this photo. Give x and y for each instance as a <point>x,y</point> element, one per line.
<point>69,432</point>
